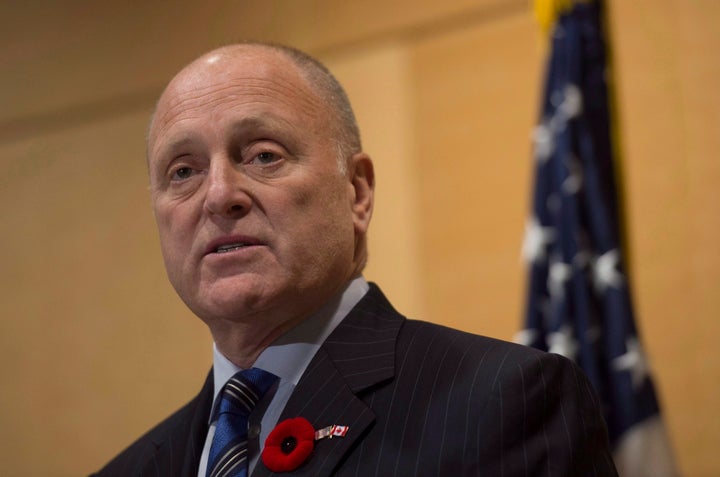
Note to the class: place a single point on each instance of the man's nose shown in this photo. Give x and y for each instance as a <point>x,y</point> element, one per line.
<point>227,193</point>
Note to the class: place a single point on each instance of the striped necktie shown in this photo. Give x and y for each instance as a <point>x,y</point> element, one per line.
<point>228,451</point>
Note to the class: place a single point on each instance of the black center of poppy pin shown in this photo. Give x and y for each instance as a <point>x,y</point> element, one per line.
<point>288,445</point>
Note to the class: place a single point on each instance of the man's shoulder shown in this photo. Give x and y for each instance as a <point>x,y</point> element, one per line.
<point>417,334</point>
<point>492,363</point>
<point>479,359</point>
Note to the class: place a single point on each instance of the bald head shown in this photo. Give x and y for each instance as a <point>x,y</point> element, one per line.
<point>320,81</point>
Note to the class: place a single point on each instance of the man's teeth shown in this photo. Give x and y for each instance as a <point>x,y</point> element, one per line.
<point>229,247</point>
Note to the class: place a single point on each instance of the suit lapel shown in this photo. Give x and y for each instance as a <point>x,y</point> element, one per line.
<point>358,355</point>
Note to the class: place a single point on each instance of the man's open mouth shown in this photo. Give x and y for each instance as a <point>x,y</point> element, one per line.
<point>230,247</point>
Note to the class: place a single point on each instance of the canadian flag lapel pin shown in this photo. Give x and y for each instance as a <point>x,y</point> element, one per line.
<point>331,431</point>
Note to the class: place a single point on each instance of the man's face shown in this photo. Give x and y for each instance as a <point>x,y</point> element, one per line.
<point>255,217</point>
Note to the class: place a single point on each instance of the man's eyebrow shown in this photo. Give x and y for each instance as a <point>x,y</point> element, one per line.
<point>179,143</point>
<point>267,126</point>
<point>238,128</point>
<point>164,152</point>
<point>256,122</point>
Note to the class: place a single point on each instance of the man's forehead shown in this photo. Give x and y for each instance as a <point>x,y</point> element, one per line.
<point>220,76</point>
<point>232,65</point>
<point>231,60</point>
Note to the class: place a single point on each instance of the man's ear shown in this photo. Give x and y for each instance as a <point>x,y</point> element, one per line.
<point>362,181</point>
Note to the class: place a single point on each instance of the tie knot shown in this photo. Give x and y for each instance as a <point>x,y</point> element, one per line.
<point>243,391</point>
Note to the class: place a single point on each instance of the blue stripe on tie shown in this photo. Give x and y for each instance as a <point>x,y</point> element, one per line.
<point>228,451</point>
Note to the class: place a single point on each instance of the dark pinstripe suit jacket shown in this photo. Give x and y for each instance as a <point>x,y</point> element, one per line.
<point>420,400</point>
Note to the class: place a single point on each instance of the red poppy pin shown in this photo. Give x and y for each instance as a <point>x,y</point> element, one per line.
<point>288,445</point>
<point>292,441</point>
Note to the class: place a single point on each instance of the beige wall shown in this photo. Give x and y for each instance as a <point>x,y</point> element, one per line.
<point>669,92</point>
<point>92,337</point>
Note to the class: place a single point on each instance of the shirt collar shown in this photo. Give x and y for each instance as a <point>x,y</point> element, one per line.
<point>289,355</point>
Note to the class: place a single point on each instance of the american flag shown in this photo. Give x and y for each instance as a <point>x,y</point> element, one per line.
<point>578,302</point>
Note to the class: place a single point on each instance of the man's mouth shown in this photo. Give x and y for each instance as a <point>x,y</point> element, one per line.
<point>229,244</point>
<point>230,247</point>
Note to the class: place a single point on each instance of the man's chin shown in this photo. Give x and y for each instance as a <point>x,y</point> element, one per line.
<point>237,302</point>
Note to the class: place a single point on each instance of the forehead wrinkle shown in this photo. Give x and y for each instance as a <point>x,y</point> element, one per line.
<point>249,91</point>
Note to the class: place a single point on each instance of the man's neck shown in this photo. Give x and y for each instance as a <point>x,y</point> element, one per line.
<point>243,342</point>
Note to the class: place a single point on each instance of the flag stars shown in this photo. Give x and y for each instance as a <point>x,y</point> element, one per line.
<point>568,105</point>
<point>544,142</point>
<point>633,361</point>
<point>525,337</point>
<point>563,342</point>
<point>573,183</point>
<point>537,238</point>
<point>571,105</point>
<point>605,271</point>
<point>558,274</point>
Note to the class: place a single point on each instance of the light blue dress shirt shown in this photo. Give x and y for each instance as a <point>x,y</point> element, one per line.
<point>287,357</point>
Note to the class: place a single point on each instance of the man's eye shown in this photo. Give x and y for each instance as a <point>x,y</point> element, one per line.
<point>182,173</point>
<point>266,157</point>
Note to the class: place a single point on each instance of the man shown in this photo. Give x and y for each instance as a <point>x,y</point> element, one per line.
<point>263,198</point>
